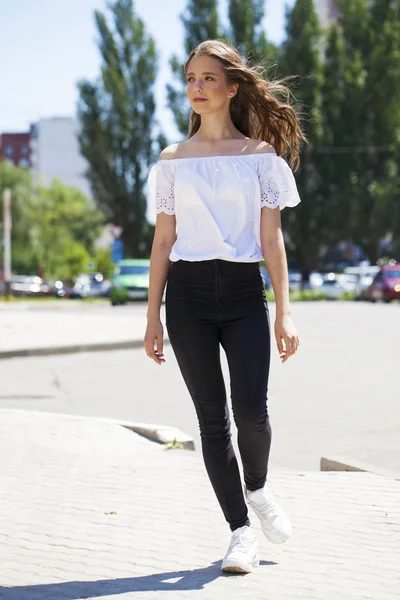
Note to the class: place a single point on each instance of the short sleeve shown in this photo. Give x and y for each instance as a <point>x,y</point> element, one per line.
<point>161,187</point>
<point>277,182</point>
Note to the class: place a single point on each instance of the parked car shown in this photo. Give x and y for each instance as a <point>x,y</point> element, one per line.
<point>332,289</point>
<point>295,280</point>
<point>348,281</point>
<point>89,285</point>
<point>81,287</point>
<point>99,287</point>
<point>57,289</point>
<point>336,285</point>
<point>316,280</point>
<point>28,285</point>
<point>386,284</point>
<point>364,276</point>
<point>130,281</point>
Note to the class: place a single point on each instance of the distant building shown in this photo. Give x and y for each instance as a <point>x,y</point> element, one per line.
<point>15,149</point>
<point>328,12</point>
<point>55,153</point>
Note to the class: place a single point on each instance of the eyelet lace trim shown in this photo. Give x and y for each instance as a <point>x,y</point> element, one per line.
<point>165,201</point>
<point>276,192</point>
<point>270,196</point>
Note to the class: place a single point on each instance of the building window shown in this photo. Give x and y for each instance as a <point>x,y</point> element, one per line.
<point>34,131</point>
<point>9,151</point>
<point>24,163</point>
<point>24,150</point>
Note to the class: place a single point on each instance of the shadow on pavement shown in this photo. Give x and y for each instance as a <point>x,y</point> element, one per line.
<point>77,590</point>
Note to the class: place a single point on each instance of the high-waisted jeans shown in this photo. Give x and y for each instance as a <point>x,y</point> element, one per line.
<point>215,302</point>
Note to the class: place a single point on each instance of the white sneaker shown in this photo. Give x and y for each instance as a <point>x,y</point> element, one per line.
<point>275,523</point>
<point>242,555</point>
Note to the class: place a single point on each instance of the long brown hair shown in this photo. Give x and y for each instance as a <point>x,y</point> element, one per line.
<point>256,110</point>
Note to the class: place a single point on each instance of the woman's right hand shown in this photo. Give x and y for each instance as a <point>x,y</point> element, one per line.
<point>153,340</point>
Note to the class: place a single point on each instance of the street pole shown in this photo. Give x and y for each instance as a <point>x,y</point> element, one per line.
<point>7,224</point>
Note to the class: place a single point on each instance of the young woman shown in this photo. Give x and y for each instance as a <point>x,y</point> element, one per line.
<point>218,198</point>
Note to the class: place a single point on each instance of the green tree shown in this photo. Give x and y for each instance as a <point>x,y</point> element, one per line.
<point>246,31</point>
<point>64,225</point>
<point>361,114</point>
<point>117,122</point>
<point>201,22</point>
<point>376,169</point>
<point>53,229</point>
<point>308,226</point>
<point>19,181</point>
<point>331,159</point>
<point>103,262</point>
<point>75,260</point>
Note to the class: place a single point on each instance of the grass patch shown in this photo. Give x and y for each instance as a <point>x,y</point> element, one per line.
<point>298,296</point>
<point>29,299</point>
<point>50,299</point>
<point>306,296</point>
<point>348,296</point>
<point>174,445</point>
<point>269,296</point>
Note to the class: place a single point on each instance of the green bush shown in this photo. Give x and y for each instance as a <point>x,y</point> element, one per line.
<point>348,296</point>
<point>102,262</point>
<point>306,296</point>
<point>300,296</point>
<point>269,296</point>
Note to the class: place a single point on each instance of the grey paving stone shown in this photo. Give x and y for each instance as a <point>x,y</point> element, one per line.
<point>61,478</point>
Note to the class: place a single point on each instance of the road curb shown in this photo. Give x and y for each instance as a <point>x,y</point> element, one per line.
<point>162,434</point>
<point>341,463</point>
<point>73,348</point>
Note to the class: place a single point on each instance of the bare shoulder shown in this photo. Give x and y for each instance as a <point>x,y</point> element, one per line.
<point>169,152</point>
<point>173,151</point>
<point>260,147</point>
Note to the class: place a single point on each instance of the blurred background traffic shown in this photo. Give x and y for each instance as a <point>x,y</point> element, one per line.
<point>131,282</point>
<point>76,223</point>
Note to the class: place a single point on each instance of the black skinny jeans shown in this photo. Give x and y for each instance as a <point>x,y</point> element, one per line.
<point>215,302</point>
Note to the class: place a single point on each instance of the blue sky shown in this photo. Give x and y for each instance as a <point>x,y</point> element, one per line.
<point>50,44</point>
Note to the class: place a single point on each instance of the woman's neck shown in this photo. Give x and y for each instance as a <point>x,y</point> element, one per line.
<point>215,129</point>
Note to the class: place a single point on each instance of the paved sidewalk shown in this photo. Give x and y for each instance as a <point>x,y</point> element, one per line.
<point>91,510</point>
<point>39,328</point>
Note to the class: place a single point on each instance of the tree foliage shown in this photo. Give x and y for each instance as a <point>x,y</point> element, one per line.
<point>53,229</point>
<point>349,86</point>
<point>117,123</point>
<point>300,55</point>
<point>102,262</point>
<point>372,55</point>
<point>347,92</point>
<point>201,22</point>
<point>20,183</point>
<point>246,31</point>
<point>64,226</point>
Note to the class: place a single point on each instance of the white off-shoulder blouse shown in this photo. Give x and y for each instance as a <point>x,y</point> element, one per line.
<point>217,202</point>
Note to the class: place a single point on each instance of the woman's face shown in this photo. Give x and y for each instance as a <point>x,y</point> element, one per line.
<point>207,88</point>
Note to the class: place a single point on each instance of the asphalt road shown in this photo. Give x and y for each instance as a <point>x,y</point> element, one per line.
<point>340,395</point>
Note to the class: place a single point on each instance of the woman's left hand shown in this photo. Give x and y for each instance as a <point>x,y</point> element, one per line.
<point>286,336</point>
